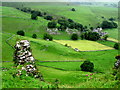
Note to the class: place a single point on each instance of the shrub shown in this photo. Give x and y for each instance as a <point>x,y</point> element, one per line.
<point>91,28</point>
<point>74,37</point>
<point>48,17</point>
<point>94,36</point>
<point>34,36</point>
<point>116,46</point>
<point>106,24</point>
<point>70,20</point>
<point>62,27</point>
<point>34,16</point>
<point>87,66</point>
<point>52,25</point>
<point>79,26</point>
<point>47,36</point>
<point>22,33</point>
<point>105,37</point>
<point>63,22</point>
<point>72,25</point>
<point>73,9</point>
<point>111,19</point>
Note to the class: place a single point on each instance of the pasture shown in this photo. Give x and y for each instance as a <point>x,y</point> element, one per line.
<point>53,59</point>
<point>84,45</point>
<point>113,33</point>
<point>84,14</point>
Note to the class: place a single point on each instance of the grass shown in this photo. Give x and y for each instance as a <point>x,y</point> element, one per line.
<point>84,45</point>
<point>113,33</point>
<point>21,21</point>
<point>84,14</point>
<point>71,76</point>
<point>112,39</point>
<point>67,66</point>
<point>77,79</point>
<point>103,61</point>
<point>107,43</point>
<point>8,81</point>
<point>50,51</point>
<point>41,49</point>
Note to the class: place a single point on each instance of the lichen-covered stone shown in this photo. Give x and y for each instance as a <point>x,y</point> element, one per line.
<point>117,63</point>
<point>25,61</point>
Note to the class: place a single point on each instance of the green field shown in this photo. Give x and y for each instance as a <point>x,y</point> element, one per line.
<point>84,45</point>
<point>53,59</point>
<point>84,14</point>
<point>113,33</point>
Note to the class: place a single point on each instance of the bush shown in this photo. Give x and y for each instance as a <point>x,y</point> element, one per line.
<point>34,36</point>
<point>116,46</point>
<point>87,66</point>
<point>111,19</point>
<point>62,27</point>
<point>74,37</point>
<point>105,37</point>
<point>47,36</point>
<point>52,25</point>
<point>91,28</point>
<point>94,36</point>
<point>22,33</point>
<point>109,25</point>
<point>70,20</point>
<point>63,22</point>
<point>48,17</point>
<point>73,9</point>
<point>34,16</point>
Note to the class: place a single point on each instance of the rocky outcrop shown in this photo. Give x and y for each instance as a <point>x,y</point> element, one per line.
<point>24,59</point>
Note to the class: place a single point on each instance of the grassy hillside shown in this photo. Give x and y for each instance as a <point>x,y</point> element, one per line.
<point>103,61</point>
<point>113,33</point>
<point>84,14</point>
<point>54,60</point>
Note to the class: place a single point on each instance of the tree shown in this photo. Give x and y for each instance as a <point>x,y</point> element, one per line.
<point>51,24</point>
<point>74,37</point>
<point>111,19</point>
<point>116,46</point>
<point>62,27</point>
<point>105,37</point>
<point>48,17</point>
<point>34,16</point>
<point>39,13</point>
<point>94,36</point>
<point>70,20</point>
<point>63,22</point>
<point>72,25</point>
<point>34,36</point>
<point>73,9</point>
<point>22,33</point>
<point>47,37</point>
<point>87,66</point>
<point>114,25</point>
<point>91,28</point>
<point>79,26</point>
<point>109,25</point>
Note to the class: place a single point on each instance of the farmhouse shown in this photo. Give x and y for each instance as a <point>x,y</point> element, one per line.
<point>99,30</point>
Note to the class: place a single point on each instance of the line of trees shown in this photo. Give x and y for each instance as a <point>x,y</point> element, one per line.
<point>94,36</point>
<point>35,13</point>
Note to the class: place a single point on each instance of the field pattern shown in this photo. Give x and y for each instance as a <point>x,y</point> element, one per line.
<point>84,45</point>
